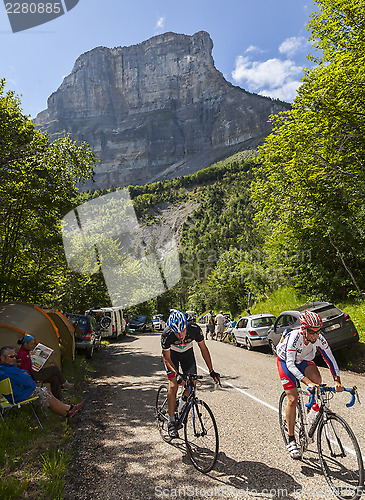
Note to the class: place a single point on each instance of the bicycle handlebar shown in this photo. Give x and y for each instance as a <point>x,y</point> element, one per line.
<point>192,376</point>
<point>189,378</point>
<point>312,391</point>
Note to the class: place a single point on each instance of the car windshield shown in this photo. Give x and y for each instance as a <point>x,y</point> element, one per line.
<point>77,320</point>
<point>329,312</point>
<point>261,322</point>
<point>138,318</point>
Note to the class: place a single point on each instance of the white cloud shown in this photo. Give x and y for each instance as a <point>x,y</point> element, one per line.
<point>272,73</point>
<point>253,48</point>
<point>276,77</point>
<point>293,45</point>
<point>160,25</point>
<point>286,93</point>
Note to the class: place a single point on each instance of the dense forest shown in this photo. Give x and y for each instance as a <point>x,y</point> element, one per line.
<point>290,214</point>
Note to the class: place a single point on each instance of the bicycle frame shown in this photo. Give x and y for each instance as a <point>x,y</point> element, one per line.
<point>189,402</point>
<point>323,412</point>
<point>338,451</point>
<point>304,440</point>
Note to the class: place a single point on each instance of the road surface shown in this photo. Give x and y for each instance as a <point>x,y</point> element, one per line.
<point>118,452</point>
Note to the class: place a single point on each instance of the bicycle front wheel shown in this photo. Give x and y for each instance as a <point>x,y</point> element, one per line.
<point>201,436</point>
<point>161,413</point>
<point>298,428</point>
<point>340,458</point>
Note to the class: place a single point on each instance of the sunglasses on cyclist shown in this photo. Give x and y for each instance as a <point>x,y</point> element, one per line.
<point>313,332</point>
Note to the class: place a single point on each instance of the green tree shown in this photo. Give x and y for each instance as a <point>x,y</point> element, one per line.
<point>37,184</point>
<point>309,182</point>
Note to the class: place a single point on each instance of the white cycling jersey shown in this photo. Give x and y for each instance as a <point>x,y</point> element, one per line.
<point>293,351</point>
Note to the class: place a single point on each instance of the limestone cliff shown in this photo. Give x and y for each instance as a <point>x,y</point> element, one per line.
<point>155,110</point>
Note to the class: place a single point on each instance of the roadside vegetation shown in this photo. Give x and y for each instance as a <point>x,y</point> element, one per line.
<point>289,216</point>
<point>34,462</point>
<point>286,223</point>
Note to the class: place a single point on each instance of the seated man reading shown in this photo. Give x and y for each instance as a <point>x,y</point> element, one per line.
<point>24,387</point>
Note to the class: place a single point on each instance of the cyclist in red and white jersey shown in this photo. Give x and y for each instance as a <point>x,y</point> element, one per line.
<point>296,351</point>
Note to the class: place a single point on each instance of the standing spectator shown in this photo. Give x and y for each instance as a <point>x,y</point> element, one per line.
<point>231,324</point>
<point>250,300</point>
<point>49,374</point>
<point>211,325</point>
<point>220,320</point>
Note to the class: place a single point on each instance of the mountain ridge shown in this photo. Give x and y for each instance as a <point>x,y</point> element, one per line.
<point>155,110</point>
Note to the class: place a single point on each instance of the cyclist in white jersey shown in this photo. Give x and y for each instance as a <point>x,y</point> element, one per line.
<point>296,351</point>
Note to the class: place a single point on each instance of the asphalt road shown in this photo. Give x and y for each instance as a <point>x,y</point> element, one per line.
<point>119,454</point>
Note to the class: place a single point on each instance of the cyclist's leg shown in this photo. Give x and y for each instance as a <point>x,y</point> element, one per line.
<point>291,409</point>
<point>312,372</point>
<point>290,387</point>
<point>173,385</point>
<point>188,366</point>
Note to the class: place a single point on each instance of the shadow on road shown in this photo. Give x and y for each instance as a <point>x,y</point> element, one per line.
<point>118,452</point>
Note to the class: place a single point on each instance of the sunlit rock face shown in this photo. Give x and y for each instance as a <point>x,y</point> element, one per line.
<point>156,110</point>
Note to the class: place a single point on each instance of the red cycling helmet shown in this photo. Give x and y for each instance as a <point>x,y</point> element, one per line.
<point>310,320</point>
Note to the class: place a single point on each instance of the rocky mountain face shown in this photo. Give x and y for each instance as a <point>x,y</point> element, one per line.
<point>156,110</point>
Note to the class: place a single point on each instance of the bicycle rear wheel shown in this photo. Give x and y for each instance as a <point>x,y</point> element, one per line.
<point>161,413</point>
<point>201,436</point>
<point>298,428</point>
<point>340,458</point>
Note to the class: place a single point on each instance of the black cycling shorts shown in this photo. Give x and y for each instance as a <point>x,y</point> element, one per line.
<point>185,359</point>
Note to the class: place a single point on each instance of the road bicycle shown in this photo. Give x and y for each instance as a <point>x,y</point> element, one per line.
<point>339,453</point>
<point>200,428</point>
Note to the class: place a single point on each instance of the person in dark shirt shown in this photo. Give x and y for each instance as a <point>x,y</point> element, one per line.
<point>177,349</point>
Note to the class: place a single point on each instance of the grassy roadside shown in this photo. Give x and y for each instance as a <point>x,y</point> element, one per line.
<point>286,298</point>
<point>34,462</point>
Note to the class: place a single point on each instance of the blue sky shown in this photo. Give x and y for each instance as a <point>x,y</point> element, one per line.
<point>260,45</point>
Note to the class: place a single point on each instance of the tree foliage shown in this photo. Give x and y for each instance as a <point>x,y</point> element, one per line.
<point>309,182</point>
<point>304,222</point>
<point>37,183</point>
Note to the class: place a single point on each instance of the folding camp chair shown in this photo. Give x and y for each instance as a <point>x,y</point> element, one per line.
<point>7,390</point>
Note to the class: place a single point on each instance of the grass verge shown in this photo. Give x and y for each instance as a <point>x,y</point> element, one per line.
<point>33,461</point>
<point>352,358</point>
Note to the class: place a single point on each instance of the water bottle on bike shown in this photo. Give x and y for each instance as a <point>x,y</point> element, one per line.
<point>312,414</point>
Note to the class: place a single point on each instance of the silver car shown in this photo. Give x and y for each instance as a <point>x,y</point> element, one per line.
<point>338,329</point>
<point>251,331</point>
<point>158,322</point>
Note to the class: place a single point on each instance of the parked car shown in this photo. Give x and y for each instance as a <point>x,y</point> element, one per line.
<point>251,331</point>
<point>338,329</point>
<point>158,322</point>
<point>87,336</point>
<point>141,323</point>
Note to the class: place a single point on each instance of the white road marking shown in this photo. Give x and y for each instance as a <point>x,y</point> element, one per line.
<point>244,392</point>
<point>258,400</point>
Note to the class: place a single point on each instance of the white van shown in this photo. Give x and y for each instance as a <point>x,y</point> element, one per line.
<point>110,321</point>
